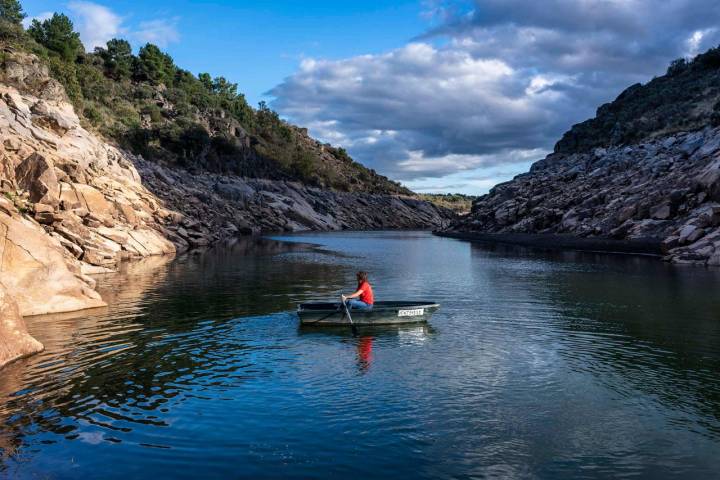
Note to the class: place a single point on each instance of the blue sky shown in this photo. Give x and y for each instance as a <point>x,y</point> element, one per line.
<point>443,95</point>
<point>257,44</point>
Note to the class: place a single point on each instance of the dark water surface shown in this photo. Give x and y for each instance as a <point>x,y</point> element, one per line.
<point>537,365</point>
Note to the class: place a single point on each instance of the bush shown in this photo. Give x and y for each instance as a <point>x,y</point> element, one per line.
<point>93,115</point>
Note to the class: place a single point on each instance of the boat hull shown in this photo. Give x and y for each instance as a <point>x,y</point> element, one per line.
<point>383,313</point>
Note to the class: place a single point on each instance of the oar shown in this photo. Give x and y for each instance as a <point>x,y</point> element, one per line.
<point>347,311</point>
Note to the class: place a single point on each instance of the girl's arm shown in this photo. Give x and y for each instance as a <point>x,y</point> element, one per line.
<point>354,295</point>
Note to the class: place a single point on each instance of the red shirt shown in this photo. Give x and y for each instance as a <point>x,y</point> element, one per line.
<point>367,295</point>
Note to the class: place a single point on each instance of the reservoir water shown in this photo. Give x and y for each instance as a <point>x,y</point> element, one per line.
<point>537,365</point>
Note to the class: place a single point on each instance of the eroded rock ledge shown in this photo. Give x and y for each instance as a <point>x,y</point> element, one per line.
<point>665,192</point>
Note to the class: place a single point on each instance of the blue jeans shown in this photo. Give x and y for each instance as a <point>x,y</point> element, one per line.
<point>355,304</point>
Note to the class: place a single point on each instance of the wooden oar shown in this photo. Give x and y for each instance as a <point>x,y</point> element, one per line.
<point>347,311</point>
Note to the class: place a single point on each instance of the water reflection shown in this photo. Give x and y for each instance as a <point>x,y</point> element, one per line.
<point>364,353</point>
<point>537,365</point>
<point>371,337</point>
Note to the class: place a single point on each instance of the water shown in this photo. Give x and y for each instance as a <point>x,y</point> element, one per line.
<point>537,365</point>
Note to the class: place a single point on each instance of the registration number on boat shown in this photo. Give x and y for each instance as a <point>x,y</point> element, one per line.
<point>411,313</point>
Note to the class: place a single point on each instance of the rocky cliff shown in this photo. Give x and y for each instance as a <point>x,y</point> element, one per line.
<point>72,205</point>
<point>664,192</point>
<point>642,175</point>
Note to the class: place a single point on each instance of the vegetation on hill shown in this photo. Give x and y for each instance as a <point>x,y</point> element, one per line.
<point>152,107</point>
<point>457,202</point>
<point>686,98</point>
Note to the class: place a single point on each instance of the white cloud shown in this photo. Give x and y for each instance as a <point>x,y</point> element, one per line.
<point>422,109</point>
<point>160,32</point>
<point>95,23</point>
<point>695,42</point>
<point>493,81</point>
<point>41,17</point>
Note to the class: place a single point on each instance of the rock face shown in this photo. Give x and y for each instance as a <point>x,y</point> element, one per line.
<point>37,271</point>
<point>214,206</point>
<point>15,342</point>
<point>72,205</point>
<point>666,191</point>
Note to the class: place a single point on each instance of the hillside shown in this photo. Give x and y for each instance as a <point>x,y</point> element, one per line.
<point>149,106</point>
<point>457,202</point>
<point>686,98</point>
<point>643,175</point>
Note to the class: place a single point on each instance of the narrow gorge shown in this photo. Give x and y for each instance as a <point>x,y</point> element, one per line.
<point>74,205</point>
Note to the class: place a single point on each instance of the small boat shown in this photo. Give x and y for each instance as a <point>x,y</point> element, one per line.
<point>382,313</point>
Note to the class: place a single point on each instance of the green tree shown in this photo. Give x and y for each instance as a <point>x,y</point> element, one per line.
<point>117,58</point>
<point>224,88</point>
<point>155,66</point>
<point>11,11</point>
<point>206,81</point>
<point>57,35</point>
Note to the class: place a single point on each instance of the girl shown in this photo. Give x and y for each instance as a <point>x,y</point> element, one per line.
<point>363,298</point>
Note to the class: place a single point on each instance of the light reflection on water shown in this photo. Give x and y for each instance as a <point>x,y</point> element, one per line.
<point>546,365</point>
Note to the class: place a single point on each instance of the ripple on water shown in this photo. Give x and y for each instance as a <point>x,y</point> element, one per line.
<point>535,366</point>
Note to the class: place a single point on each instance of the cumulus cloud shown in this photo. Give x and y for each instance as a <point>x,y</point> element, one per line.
<point>492,82</point>
<point>95,23</point>
<point>41,17</point>
<point>160,32</point>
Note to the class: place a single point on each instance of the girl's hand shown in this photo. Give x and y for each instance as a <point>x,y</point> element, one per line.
<point>343,297</point>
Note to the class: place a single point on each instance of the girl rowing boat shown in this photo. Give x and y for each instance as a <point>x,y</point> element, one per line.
<point>363,298</point>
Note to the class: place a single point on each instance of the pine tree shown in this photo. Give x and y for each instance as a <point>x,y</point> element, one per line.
<point>11,11</point>
<point>57,35</point>
<point>117,58</point>
<point>155,66</point>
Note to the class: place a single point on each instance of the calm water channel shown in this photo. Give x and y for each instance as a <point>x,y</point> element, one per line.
<point>538,365</point>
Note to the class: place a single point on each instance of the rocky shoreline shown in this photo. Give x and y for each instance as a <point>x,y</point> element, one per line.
<point>72,205</point>
<point>661,193</point>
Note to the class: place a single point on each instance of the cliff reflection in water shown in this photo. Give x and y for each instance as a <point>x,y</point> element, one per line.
<point>654,324</point>
<point>118,367</point>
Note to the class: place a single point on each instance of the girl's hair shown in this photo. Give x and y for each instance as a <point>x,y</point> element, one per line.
<point>362,277</point>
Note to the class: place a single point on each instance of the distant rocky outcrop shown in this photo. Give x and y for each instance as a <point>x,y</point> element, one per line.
<point>72,205</point>
<point>665,191</point>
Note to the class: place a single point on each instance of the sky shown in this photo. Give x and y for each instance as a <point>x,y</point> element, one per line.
<point>442,95</point>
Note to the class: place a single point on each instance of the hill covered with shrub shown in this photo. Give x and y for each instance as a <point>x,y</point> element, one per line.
<point>686,98</point>
<point>150,106</point>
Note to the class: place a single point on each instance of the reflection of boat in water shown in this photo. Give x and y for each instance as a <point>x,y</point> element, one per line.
<point>370,338</point>
<point>382,313</point>
<point>408,331</point>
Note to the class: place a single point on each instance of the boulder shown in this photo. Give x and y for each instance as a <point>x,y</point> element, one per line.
<point>661,212</point>
<point>146,242</point>
<point>709,180</point>
<point>15,341</point>
<point>35,271</point>
<point>92,199</point>
<point>127,211</point>
<point>51,118</point>
<point>36,174</point>
<point>714,260</point>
